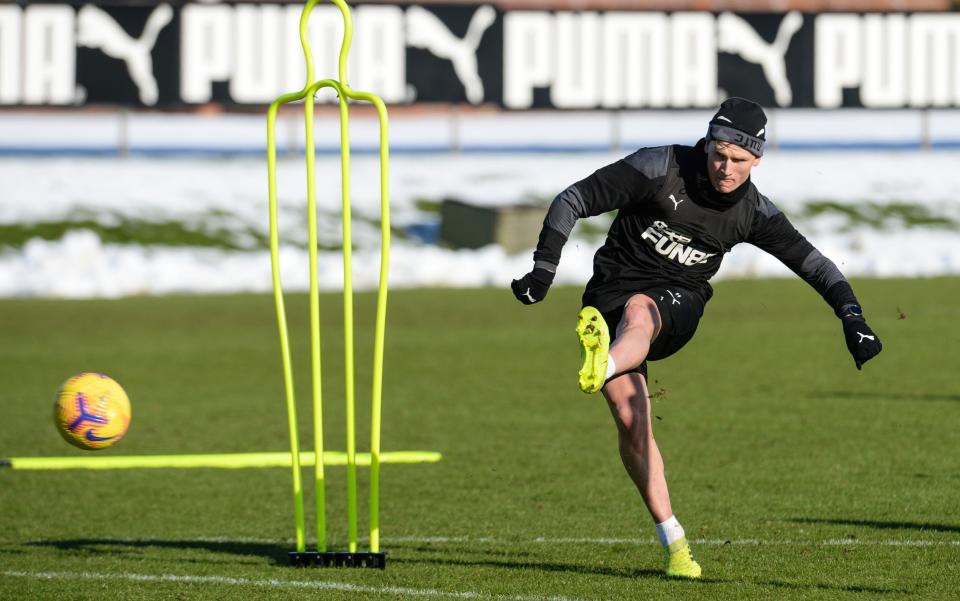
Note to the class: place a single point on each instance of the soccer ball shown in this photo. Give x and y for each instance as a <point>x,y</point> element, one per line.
<point>91,411</point>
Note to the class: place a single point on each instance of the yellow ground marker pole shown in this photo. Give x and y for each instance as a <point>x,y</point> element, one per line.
<point>213,460</point>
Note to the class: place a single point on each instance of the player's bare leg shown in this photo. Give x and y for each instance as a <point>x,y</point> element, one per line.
<point>629,403</point>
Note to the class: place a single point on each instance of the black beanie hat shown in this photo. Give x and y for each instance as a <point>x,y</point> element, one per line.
<point>741,122</point>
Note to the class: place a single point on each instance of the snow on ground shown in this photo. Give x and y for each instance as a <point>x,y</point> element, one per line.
<point>232,194</point>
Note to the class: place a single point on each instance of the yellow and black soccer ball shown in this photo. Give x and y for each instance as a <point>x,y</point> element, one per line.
<point>91,411</point>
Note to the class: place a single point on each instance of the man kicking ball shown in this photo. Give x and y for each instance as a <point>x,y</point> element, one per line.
<point>680,209</point>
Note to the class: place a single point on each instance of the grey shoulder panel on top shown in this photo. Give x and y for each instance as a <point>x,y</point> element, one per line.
<point>651,162</point>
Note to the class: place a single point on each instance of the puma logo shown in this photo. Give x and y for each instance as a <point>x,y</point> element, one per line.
<point>736,36</point>
<point>676,203</point>
<point>865,336</point>
<point>529,296</point>
<point>97,29</point>
<point>426,31</point>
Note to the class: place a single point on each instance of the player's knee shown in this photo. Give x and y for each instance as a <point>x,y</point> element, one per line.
<point>641,312</point>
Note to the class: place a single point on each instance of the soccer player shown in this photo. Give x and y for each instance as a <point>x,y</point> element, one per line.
<point>680,208</point>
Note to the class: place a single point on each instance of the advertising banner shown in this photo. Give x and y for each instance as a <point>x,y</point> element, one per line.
<point>194,53</point>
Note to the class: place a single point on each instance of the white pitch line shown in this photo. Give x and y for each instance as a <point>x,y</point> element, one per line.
<point>893,543</point>
<point>486,540</point>
<point>638,541</point>
<point>716,542</point>
<point>281,584</point>
<point>483,540</point>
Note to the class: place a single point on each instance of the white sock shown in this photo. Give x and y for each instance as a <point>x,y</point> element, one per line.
<point>611,368</point>
<point>669,531</point>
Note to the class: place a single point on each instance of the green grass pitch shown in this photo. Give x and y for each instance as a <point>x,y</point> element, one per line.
<point>796,476</point>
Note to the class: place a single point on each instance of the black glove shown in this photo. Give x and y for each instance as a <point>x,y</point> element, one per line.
<point>532,288</point>
<point>862,343</point>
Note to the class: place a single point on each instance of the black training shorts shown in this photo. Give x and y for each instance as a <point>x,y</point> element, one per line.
<point>680,313</point>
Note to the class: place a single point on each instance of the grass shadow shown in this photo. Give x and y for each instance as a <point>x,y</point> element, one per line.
<point>880,525</point>
<point>853,588</point>
<point>277,553</point>
<point>895,396</point>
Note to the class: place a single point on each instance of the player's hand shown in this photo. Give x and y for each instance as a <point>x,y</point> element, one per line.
<point>862,343</point>
<point>532,288</point>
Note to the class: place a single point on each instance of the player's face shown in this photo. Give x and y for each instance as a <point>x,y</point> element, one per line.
<point>729,165</point>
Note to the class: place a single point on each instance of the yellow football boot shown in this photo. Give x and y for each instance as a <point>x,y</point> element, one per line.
<point>680,562</point>
<point>594,348</point>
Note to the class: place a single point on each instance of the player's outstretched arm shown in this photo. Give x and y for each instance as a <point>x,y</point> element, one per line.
<point>773,232</point>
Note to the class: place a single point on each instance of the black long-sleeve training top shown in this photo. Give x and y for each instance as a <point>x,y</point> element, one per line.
<point>673,228</point>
